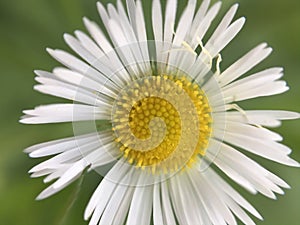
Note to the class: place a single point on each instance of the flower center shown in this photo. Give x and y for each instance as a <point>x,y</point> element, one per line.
<point>162,123</point>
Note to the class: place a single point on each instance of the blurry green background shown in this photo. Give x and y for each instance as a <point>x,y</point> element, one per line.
<point>27,27</point>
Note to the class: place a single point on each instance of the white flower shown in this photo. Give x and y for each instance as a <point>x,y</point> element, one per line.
<point>169,112</point>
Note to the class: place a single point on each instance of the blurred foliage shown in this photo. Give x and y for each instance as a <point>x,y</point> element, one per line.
<point>27,27</point>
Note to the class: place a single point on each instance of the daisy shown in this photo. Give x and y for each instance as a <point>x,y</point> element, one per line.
<point>164,121</point>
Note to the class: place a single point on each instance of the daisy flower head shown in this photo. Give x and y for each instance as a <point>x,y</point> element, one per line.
<point>159,113</point>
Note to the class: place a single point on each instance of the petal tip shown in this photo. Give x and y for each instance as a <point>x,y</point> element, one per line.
<point>40,197</point>
<point>85,19</point>
<point>66,36</point>
<point>50,51</point>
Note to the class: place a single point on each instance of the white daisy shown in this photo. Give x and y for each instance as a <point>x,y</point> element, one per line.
<point>169,114</point>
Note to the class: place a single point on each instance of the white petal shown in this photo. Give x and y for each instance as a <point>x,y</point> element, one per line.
<point>121,195</point>
<point>65,92</point>
<point>245,63</point>
<point>104,155</point>
<point>157,25</point>
<point>101,64</point>
<point>79,49</point>
<point>198,18</point>
<point>44,74</point>
<point>42,173</point>
<point>55,174</point>
<point>60,89</point>
<point>259,147</point>
<point>209,201</point>
<point>221,206</point>
<point>123,23</point>
<point>139,50</point>
<point>224,24</point>
<point>142,34</point>
<point>74,63</point>
<point>64,113</point>
<point>79,151</point>
<point>121,215</point>
<point>186,202</point>
<point>170,15</point>
<point>71,174</point>
<point>176,56</point>
<point>271,88</point>
<point>168,213</point>
<point>157,21</point>
<point>184,23</point>
<point>205,24</point>
<point>101,40</point>
<point>98,35</point>
<point>58,146</point>
<point>157,205</point>
<point>104,15</point>
<point>48,192</point>
<point>129,54</point>
<point>111,55</point>
<point>98,201</point>
<point>269,118</point>
<point>86,160</point>
<point>234,175</point>
<point>277,180</point>
<point>89,44</point>
<point>239,212</point>
<point>141,26</point>
<point>131,8</point>
<point>249,170</point>
<point>256,79</point>
<point>232,193</point>
<point>106,88</point>
<point>141,206</point>
<point>253,131</point>
<point>103,193</point>
<point>216,45</point>
<point>177,204</point>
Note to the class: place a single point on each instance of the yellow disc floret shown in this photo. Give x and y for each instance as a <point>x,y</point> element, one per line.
<point>141,114</point>
<point>162,122</point>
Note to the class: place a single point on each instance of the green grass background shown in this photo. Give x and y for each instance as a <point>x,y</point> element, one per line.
<point>28,27</point>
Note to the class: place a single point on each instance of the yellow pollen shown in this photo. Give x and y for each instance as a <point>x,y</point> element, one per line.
<point>162,123</point>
